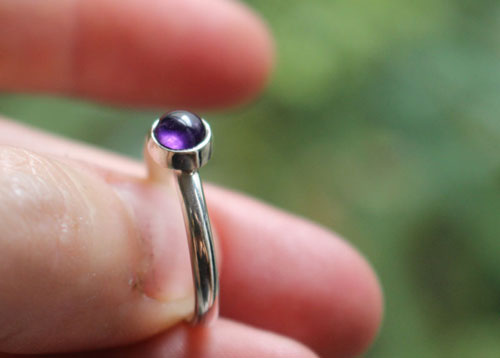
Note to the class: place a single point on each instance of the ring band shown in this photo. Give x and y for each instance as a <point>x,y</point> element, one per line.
<point>182,141</point>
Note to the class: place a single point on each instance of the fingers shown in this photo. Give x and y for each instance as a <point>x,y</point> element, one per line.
<point>82,265</point>
<point>222,339</point>
<point>279,272</point>
<point>287,275</point>
<point>153,52</point>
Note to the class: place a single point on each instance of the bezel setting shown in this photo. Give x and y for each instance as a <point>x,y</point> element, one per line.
<point>187,160</point>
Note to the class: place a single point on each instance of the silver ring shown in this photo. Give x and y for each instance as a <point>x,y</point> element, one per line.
<point>182,141</point>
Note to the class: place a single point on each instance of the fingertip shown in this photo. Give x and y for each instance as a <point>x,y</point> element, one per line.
<point>252,47</point>
<point>75,262</point>
<point>321,290</point>
<point>189,53</point>
<point>359,302</point>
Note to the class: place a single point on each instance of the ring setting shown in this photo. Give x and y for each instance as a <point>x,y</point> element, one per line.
<point>182,142</point>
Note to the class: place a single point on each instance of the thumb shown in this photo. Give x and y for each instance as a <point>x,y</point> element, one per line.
<point>85,262</point>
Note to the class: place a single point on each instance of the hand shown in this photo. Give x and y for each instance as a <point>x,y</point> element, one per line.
<point>93,255</point>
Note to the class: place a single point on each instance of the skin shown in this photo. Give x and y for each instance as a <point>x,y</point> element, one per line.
<point>87,263</point>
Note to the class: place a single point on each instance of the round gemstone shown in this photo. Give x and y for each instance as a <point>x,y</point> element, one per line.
<point>180,130</point>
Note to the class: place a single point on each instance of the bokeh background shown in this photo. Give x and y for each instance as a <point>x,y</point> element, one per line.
<point>382,123</point>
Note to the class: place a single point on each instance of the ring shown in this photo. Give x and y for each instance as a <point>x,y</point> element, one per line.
<point>182,141</point>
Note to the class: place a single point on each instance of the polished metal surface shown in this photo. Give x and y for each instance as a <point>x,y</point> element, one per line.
<point>185,160</point>
<point>201,246</point>
<point>185,165</point>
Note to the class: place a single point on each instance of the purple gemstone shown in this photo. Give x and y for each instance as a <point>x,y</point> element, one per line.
<point>180,130</point>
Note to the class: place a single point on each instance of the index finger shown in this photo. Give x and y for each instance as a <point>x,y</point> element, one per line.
<point>177,52</point>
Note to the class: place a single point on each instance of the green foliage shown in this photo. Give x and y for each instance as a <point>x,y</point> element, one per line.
<point>382,123</point>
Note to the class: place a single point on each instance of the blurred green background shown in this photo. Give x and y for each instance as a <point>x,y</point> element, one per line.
<point>382,123</point>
